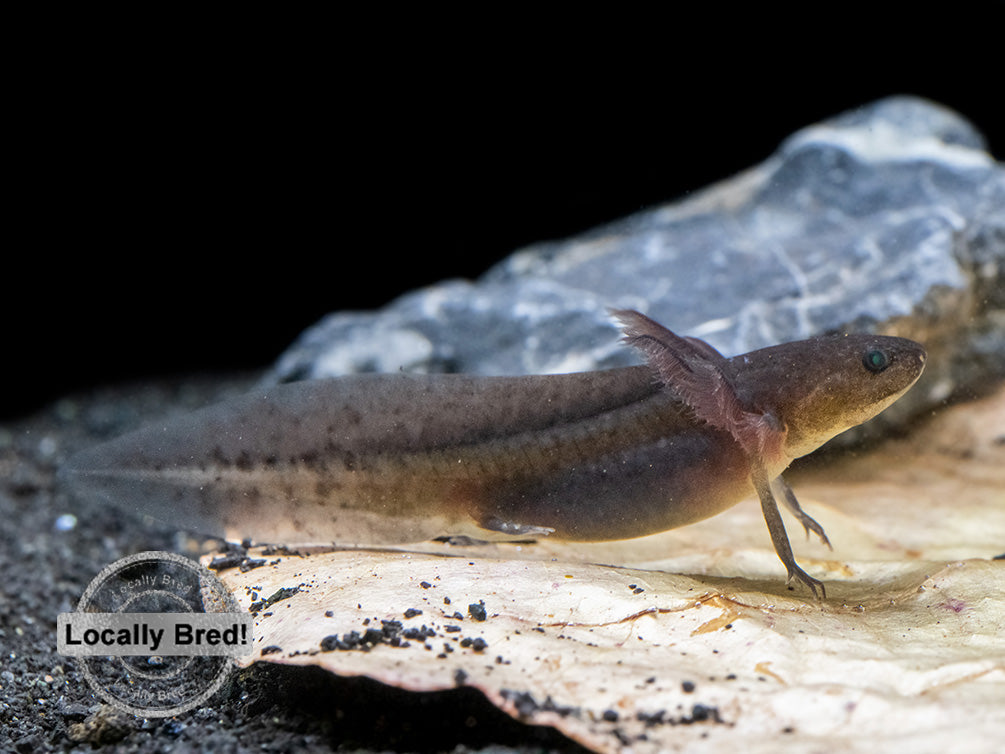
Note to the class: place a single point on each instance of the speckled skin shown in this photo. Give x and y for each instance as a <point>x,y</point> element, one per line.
<point>380,459</point>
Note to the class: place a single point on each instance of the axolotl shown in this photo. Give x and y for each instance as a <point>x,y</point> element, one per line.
<point>590,456</point>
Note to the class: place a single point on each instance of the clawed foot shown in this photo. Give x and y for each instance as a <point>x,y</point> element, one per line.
<point>795,572</point>
<point>789,498</point>
<point>810,525</point>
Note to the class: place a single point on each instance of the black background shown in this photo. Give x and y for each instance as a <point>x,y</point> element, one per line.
<point>190,201</point>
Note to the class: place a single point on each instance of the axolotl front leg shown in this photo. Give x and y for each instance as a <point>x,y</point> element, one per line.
<point>776,528</point>
<point>693,370</point>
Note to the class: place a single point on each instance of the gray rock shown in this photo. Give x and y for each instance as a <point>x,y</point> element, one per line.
<point>890,218</point>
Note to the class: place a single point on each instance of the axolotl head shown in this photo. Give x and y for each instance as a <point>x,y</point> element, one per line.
<point>820,387</point>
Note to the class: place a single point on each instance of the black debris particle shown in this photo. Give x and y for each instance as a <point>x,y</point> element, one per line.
<point>477,611</point>
<point>236,559</point>
<point>283,551</point>
<point>390,628</point>
<point>478,644</point>
<point>688,687</point>
<point>610,716</point>
<point>425,584</point>
<point>271,650</point>
<point>526,705</point>
<point>391,632</point>
<point>372,637</point>
<point>352,640</point>
<point>281,594</point>
<point>523,701</point>
<point>232,557</point>
<point>700,713</point>
<point>419,634</point>
<point>451,629</point>
<point>223,562</point>
<point>329,614</point>
<point>330,643</point>
<point>460,677</point>
<point>446,600</point>
<point>623,738</point>
<point>651,679</point>
<point>74,712</point>
<point>651,718</point>
<point>412,612</point>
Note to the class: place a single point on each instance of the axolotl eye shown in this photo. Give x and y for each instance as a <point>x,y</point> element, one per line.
<point>875,360</point>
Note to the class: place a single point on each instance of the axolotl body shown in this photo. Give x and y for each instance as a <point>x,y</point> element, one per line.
<point>612,454</point>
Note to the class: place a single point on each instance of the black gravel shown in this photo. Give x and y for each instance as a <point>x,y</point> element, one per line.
<point>51,546</point>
